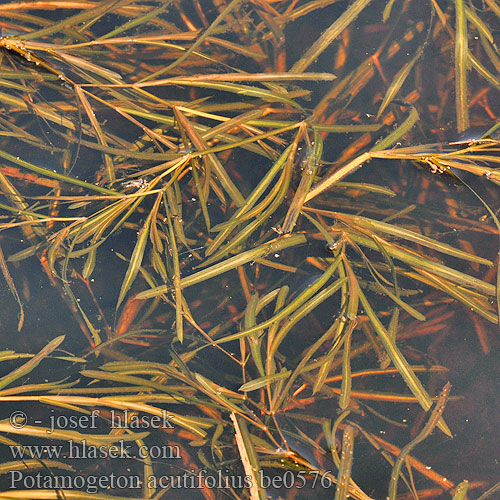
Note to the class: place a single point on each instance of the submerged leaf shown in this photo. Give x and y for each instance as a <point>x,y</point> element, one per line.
<point>135,260</point>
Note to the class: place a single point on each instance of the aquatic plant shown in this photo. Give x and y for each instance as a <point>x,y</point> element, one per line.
<point>189,162</point>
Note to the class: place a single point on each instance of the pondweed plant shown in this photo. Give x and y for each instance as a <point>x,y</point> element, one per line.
<point>208,167</point>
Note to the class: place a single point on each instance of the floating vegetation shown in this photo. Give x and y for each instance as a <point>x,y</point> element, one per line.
<point>249,217</point>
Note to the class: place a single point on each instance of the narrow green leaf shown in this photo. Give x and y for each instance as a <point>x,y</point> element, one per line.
<point>249,458</point>
<point>293,306</point>
<point>309,170</point>
<point>417,261</point>
<point>397,83</point>
<point>461,491</point>
<point>480,24</point>
<point>399,132</point>
<point>344,475</point>
<point>249,202</point>
<point>387,10</point>
<point>238,260</point>
<point>423,434</point>
<point>55,175</point>
<point>199,41</point>
<point>88,268</point>
<point>400,362</point>
<point>69,435</point>
<point>135,260</point>
<point>32,363</point>
<point>257,383</point>
<point>13,289</point>
<point>399,232</point>
<point>461,51</point>
<point>325,40</point>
